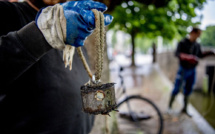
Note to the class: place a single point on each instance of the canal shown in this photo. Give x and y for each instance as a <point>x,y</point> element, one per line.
<point>205,104</point>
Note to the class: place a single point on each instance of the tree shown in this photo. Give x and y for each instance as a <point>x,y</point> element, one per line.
<point>113,3</point>
<point>140,20</point>
<point>208,36</point>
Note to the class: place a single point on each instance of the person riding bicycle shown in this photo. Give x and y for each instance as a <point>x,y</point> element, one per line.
<point>188,52</point>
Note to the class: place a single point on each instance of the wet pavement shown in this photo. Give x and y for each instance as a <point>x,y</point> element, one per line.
<point>149,81</point>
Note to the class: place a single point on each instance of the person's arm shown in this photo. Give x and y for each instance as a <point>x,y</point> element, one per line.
<point>189,58</point>
<point>183,56</point>
<point>19,51</point>
<point>207,53</point>
<point>204,54</point>
<point>69,23</point>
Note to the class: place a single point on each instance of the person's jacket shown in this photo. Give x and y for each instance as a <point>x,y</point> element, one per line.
<point>37,93</point>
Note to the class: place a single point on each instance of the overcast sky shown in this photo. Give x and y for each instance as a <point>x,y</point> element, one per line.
<point>208,14</point>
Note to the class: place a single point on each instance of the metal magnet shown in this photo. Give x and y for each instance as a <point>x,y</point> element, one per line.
<point>98,99</point>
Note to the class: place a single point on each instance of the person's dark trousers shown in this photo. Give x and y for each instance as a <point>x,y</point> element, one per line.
<point>186,77</point>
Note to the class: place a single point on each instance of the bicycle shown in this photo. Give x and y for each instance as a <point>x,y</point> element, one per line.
<point>144,114</point>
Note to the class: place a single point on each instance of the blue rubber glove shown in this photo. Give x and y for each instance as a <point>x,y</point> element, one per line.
<point>80,20</point>
<point>70,22</point>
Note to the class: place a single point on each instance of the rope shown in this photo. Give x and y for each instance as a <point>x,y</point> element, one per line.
<point>99,42</point>
<point>102,42</point>
<point>99,46</point>
<point>86,66</point>
<point>106,125</point>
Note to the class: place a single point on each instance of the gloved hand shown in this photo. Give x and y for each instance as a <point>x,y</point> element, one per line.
<point>70,22</point>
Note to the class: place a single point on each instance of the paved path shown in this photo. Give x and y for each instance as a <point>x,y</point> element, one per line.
<point>150,82</point>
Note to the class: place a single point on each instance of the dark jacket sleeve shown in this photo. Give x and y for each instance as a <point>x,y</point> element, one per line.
<point>19,51</point>
<point>204,54</point>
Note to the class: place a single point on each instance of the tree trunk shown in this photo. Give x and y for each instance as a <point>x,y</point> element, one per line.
<point>154,53</point>
<point>133,49</point>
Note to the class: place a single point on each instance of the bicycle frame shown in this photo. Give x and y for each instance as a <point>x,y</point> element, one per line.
<point>122,86</point>
<point>133,115</point>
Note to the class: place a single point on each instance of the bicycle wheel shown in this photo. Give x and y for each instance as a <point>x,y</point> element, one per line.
<point>139,115</point>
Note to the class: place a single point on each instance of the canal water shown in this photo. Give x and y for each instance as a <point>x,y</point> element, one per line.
<point>205,104</point>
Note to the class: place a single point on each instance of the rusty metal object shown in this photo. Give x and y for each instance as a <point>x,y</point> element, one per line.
<point>98,99</point>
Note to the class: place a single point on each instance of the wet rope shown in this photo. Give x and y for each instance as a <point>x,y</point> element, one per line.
<point>102,42</point>
<point>86,66</point>
<point>99,46</point>
<point>99,42</point>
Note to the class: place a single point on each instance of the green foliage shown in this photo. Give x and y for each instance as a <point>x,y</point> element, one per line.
<point>114,39</point>
<point>143,44</point>
<point>146,20</point>
<point>208,36</point>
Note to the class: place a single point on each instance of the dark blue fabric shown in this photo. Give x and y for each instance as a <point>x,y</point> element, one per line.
<point>186,78</point>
